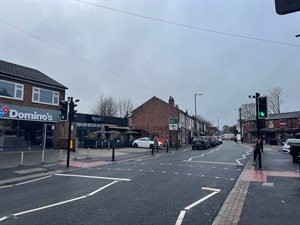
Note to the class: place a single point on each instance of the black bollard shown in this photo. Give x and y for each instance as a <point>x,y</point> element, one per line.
<point>167,148</point>
<point>152,150</point>
<point>113,154</point>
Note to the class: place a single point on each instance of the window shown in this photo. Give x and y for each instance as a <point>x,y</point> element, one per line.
<point>45,96</point>
<point>11,90</point>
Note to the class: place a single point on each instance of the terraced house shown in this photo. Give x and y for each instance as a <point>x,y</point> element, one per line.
<point>29,107</point>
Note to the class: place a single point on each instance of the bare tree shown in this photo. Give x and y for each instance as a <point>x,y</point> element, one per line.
<point>105,106</point>
<point>125,107</point>
<point>248,111</point>
<point>274,100</point>
<point>109,106</point>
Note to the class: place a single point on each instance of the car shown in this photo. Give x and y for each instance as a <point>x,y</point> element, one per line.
<point>287,144</point>
<point>220,140</point>
<point>200,142</point>
<point>145,142</point>
<point>213,142</point>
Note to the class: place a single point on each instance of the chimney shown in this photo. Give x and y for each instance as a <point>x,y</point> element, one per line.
<point>171,101</point>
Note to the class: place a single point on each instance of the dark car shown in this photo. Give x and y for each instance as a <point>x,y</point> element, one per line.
<point>200,142</point>
<point>213,141</point>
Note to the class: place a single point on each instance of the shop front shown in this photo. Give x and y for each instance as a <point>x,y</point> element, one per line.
<point>26,128</point>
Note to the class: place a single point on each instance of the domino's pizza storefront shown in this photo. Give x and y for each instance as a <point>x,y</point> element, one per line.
<point>26,128</point>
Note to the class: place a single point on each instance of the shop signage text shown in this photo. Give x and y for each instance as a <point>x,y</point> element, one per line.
<point>15,114</point>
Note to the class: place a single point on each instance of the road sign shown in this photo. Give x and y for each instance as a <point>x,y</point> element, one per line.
<point>173,123</point>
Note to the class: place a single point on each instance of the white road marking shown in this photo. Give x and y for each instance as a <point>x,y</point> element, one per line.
<point>6,186</point>
<point>102,188</point>
<point>189,207</point>
<point>93,177</point>
<point>243,157</point>
<point>3,218</point>
<point>176,173</point>
<point>141,170</point>
<point>58,203</point>
<point>163,171</point>
<point>30,181</point>
<point>212,162</point>
<point>180,217</point>
<point>190,159</point>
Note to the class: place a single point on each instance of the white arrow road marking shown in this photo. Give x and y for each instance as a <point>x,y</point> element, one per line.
<point>189,207</point>
<point>58,203</point>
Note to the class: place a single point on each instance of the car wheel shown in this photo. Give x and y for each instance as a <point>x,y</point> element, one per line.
<point>151,146</point>
<point>135,145</point>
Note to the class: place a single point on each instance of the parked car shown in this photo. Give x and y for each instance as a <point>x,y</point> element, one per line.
<point>212,141</point>
<point>220,140</point>
<point>287,144</point>
<point>145,143</point>
<point>200,142</point>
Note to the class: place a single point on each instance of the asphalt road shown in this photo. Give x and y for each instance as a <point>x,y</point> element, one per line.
<point>181,187</point>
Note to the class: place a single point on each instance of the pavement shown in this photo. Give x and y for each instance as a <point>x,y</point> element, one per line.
<point>267,196</point>
<point>263,197</point>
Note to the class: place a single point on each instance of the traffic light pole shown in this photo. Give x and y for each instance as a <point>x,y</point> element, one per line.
<point>69,133</point>
<point>258,142</point>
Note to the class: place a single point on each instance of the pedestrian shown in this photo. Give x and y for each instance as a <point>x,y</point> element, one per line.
<point>156,143</point>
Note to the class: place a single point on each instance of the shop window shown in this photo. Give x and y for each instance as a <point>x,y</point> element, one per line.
<point>11,90</point>
<point>45,96</point>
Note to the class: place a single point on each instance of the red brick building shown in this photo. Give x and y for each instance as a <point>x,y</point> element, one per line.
<point>153,118</point>
<point>275,128</point>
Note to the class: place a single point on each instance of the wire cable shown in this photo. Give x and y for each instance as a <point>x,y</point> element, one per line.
<point>189,26</point>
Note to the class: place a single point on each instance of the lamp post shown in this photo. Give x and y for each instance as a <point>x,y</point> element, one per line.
<point>195,123</point>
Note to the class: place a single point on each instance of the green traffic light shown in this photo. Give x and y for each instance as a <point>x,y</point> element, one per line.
<point>262,114</point>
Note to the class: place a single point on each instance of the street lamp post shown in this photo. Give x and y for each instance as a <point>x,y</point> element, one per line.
<point>195,123</point>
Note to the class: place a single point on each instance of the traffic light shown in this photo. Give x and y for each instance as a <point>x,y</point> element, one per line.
<point>63,107</point>
<point>262,107</point>
<point>287,6</point>
<point>72,113</point>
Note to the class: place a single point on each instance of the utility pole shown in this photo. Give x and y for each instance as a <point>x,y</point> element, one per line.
<point>241,124</point>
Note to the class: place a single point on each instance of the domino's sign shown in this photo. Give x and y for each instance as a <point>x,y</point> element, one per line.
<point>26,113</point>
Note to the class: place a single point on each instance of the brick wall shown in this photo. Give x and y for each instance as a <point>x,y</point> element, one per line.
<point>153,116</point>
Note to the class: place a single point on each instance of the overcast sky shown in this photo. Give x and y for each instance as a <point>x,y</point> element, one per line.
<point>228,50</point>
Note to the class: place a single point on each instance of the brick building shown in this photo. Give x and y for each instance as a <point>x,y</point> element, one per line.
<point>158,118</point>
<point>275,128</point>
<point>29,107</point>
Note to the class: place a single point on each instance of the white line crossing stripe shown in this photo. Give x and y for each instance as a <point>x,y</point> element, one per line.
<point>93,177</point>
<point>58,203</point>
